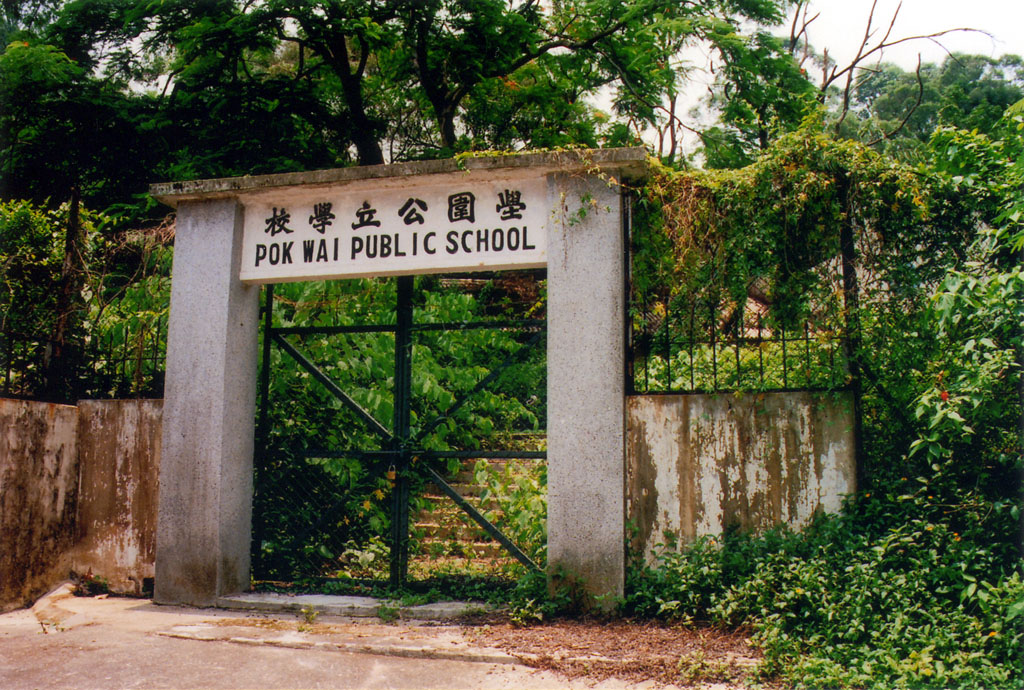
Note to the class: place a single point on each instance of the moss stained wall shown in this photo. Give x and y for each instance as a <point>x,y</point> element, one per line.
<point>119,452</point>
<point>697,464</point>
<point>38,494</point>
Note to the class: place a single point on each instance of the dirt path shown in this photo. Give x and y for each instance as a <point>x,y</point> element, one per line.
<point>637,652</point>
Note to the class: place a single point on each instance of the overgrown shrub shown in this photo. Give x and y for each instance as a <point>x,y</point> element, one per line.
<point>873,597</point>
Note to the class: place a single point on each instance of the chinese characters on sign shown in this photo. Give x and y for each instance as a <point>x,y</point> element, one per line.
<point>388,232</point>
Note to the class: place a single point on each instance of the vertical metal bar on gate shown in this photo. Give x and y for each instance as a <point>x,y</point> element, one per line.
<point>263,423</point>
<point>403,397</point>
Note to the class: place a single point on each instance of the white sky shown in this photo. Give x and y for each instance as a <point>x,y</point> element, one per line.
<point>841,24</point>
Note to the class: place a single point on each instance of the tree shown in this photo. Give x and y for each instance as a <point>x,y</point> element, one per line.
<point>900,110</point>
<point>380,70</point>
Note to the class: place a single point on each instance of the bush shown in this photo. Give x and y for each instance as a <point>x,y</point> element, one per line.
<point>874,597</point>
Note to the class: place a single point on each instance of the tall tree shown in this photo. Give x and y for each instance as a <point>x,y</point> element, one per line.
<point>900,110</point>
<point>377,71</point>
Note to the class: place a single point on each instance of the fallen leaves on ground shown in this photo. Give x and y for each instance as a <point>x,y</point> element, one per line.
<point>629,650</point>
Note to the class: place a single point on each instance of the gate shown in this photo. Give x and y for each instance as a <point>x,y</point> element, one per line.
<point>307,483</point>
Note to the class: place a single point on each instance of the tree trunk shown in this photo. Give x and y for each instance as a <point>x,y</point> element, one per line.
<point>446,120</point>
<point>852,337</point>
<point>68,298</point>
<point>364,132</point>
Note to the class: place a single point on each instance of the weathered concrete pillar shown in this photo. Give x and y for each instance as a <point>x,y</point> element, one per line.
<point>204,522</point>
<point>586,387</point>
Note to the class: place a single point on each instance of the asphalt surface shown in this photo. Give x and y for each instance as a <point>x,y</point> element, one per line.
<point>86,643</point>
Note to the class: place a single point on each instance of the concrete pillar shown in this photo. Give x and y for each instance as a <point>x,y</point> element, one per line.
<point>586,387</point>
<point>205,503</point>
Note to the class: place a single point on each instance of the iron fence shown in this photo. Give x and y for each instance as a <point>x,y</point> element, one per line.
<point>697,346</point>
<point>119,363</point>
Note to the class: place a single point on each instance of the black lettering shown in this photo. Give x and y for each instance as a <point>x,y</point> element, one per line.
<point>465,241</point>
<point>307,250</point>
<point>286,253</point>
<point>497,239</point>
<point>513,239</point>
<point>385,246</point>
<point>526,242</point>
<point>275,254</point>
<point>426,246</point>
<point>398,252</point>
<point>415,243</point>
<point>453,242</point>
<point>261,253</point>
<point>321,253</point>
<point>371,247</point>
<point>482,239</point>
<point>335,248</point>
<point>357,246</point>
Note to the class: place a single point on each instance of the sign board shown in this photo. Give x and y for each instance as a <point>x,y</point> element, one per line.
<point>348,232</point>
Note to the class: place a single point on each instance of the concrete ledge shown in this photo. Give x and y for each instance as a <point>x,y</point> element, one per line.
<point>456,649</point>
<point>357,607</point>
<point>628,162</point>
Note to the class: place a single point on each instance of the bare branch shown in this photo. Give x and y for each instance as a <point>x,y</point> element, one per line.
<point>913,109</point>
<point>866,50</point>
<point>800,15</point>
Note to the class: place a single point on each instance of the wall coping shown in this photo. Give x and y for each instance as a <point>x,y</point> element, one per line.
<point>628,162</point>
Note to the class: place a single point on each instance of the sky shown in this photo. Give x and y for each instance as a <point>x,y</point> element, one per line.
<point>841,25</point>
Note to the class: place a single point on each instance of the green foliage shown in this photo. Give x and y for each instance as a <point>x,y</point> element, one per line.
<point>917,583</point>
<point>761,92</point>
<point>755,253</point>
<point>900,591</point>
<point>518,500</point>
<point>119,321</point>
<point>31,255</point>
<point>777,221</point>
<point>968,92</point>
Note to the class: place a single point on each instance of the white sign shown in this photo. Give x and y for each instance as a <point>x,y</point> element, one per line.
<point>461,226</point>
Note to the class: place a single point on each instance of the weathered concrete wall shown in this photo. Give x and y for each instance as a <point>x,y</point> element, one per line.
<point>700,463</point>
<point>38,485</point>
<point>119,456</point>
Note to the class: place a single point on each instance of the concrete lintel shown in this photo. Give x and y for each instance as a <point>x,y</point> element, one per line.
<point>625,162</point>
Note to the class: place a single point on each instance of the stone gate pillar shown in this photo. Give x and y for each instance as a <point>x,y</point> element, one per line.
<point>586,388</point>
<point>203,525</point>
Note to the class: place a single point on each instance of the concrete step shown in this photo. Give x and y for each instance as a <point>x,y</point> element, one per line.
<point>444,531</point>
<point>481,550</point>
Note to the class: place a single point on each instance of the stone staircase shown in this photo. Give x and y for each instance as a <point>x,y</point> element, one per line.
<point>446,537</point>
<point>445,530</point>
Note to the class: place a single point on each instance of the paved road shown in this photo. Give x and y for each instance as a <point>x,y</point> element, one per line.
<point>105,643</point>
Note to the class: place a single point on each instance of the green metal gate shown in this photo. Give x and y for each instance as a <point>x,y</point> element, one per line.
<point>404,455</point>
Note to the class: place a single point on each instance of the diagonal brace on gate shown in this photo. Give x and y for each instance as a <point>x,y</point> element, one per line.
<point>478,517</point>
<point>331,386</point>
<point>403,451</point>
<point>512,359</point>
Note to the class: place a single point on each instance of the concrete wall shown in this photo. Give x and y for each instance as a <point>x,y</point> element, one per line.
<point>119,457</point>
<point>78,493</point>
<point>699,463</point>
<point>38,486</point>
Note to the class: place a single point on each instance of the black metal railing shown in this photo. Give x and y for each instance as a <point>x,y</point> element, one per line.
<point>692,348</point>
<point>120,363</point>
